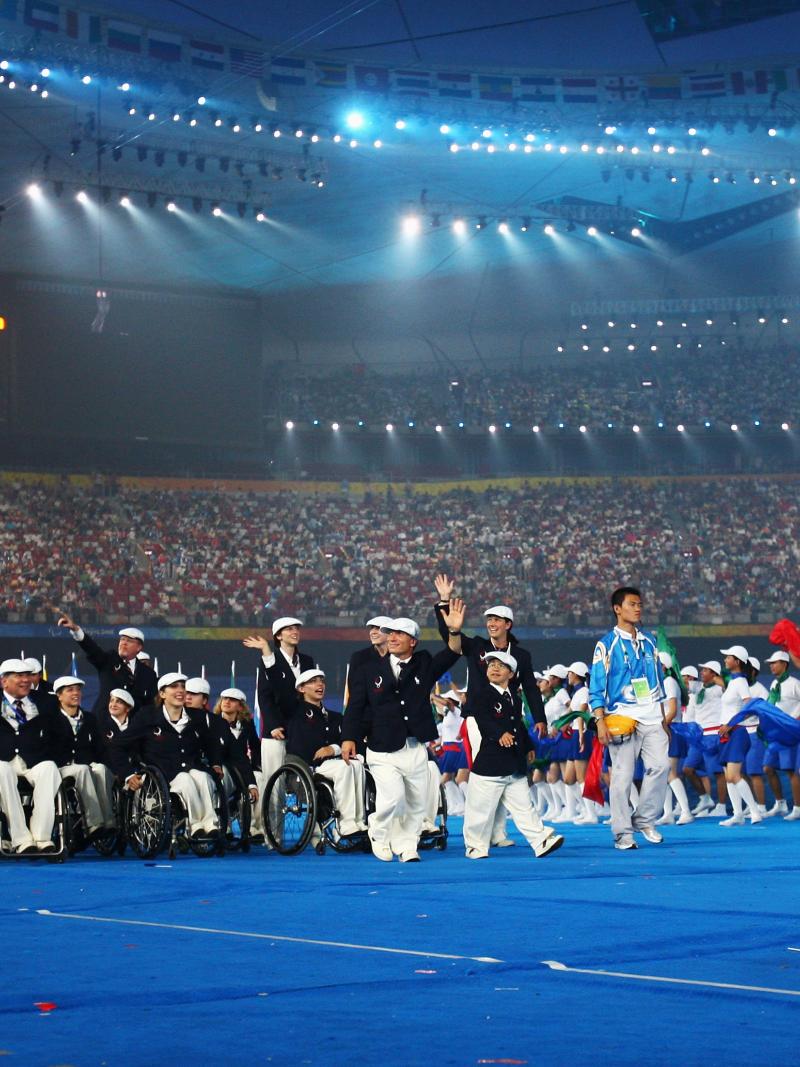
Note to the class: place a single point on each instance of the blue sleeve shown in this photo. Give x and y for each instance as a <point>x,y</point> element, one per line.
<point>598,677</point>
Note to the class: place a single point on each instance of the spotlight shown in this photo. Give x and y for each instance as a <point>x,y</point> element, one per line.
<point>334,425</point>
<point>216,211</point>
<point>45,73</point>
<point>592,231</point>
<point>493,428</point>
<point>87,79</point>
<point>459,226</point>
<point>411,225</point>
<point>124,201</point>
<point>354,119</point>
<point>582,428</point>
<point>444,128</point>
<point>636,232</point>
<point>680,427</point>
<point>201,100</point>
<point>784,425</point>
<point>400,124</point>
<point>290,425</point>
<point>389,427</point>
<point>535,429</point>
<point>549,229</point>
<point>635,428</point>
<point>260,216</point>
<point>33,191</point>
<point>438,428</point>
<point>172,206</point>
<point>734,427</point>
<point>502,227</point>
<point>81,197</point>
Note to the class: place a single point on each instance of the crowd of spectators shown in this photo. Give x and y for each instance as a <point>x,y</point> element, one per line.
<point>702,550</point>
<point>731,386</point>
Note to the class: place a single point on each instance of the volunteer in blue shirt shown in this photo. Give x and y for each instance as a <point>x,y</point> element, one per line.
<point>626,691</point>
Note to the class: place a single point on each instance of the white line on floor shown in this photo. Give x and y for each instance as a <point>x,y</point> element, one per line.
<point>554,965</point>
<point>267,937</point>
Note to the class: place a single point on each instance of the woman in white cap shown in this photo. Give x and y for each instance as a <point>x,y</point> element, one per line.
<point>314,734</point>
<point>78,750</point>
<point>499,771</point>
<point>702,762</point>
<point>678,748</point>
<point>117,750</point>
<point>167,738</point>
<point>241,749</point>
<point>754,760</point>
<point>735,743</point>
<point>580,743</point>
<point>784,693</point>
<point>563,807</point>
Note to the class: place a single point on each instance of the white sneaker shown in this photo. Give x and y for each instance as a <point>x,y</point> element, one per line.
<point>719,811</point>
<point>409,857</point>
<point>504,842</point>
<point>382,852</point>
<point>668,819</point>
<point>780,807</point>
<point>685,818</point>
<point>625,844</point>
<point>793,815</point>
<point>756,816</point>
<point>476,854</point>
<point>550,844</point>
<point>735,820</point>
<point>705,803</point>
<point>649,833</point>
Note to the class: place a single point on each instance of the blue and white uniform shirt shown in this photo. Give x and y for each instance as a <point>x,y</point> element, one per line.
<point>619,657</point>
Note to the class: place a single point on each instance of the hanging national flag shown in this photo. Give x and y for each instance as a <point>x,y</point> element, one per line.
<point>579,90</point>
<point>165,47</point>
<point>124,36</point>
<point>706,85</point>
<point>592,788</point>
<point>662,87</point>
<point>247,61</point>
<point>453,85</point>
<point>73,667</point>
<point>8,9</point>
<point>203,672</point>
<point>155,667</point>
<point>81,26</point>
<point>257,709</point>
<point>233,673</point>
<point>42,15</point>
<point>624,87</point>
<point>371,79</point>
<point>749,82</point>
<point>411,82</point>
<point>786,634</point>
<point>206,54</point>
<point>331,75</point>
<point>494,87</point>
<point>286,70</point>
<point>346,694</point>
<point>663,644</point>
<point>538,89</point>
<point>44,667</point>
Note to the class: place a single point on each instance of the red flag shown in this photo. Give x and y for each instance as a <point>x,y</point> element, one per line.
<point>591,786</point>
<point>462,733</point>
<point>785,633</point>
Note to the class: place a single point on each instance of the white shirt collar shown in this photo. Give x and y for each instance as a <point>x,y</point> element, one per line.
<point>502,692</point>
<point>180,723</point>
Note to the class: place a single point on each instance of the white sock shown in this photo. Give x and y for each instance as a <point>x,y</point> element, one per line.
<point>668,804</point>
<point>746,793</point>
<point>736,800</point>
<point>463,788</point>
<point>679,789</point>
<point>560,793</point>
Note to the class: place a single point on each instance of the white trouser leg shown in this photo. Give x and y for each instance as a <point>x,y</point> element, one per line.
<point>348,792</point>
<point>104,787</point>
<point>652,744</point>
<point>46,782</point>
<point>518,801</point>
<point>432,800</point>
<point>455,798</point>
<point>194,789</point>
<point>11,805</point>
<point>623,759</point>
<point>257,825</point>
<point>273,756</point>
<point>401,784</point>
<point>84,784</point>
<point>479,814</point>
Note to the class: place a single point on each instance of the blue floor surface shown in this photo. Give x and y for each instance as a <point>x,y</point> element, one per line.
<point>710,905</point>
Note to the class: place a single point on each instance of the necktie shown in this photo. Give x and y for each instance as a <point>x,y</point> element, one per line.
<point>19,713</point>
<point>295,660</point>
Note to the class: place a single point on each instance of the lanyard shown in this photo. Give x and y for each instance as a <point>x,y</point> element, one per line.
<point>638,662</point>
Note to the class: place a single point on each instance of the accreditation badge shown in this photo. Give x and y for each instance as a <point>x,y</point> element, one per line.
<point>641,690</point>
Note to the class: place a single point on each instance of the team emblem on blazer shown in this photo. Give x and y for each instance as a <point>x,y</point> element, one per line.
<point>378,682</point>
<point>309,714</point>
<point>498,708</point>
<point>110,735</point>
<point>157,732</point>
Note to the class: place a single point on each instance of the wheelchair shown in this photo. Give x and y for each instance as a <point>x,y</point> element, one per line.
<point>297,802</point>
<point>239,813</point>
<point>436,838</point>
<point>108,843</point>
<point>155,819</point>
<point>60,826</point>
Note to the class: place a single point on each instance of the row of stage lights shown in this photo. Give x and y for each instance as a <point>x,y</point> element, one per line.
<point>152,200</point>
<point>412,225</point>
<point>494,428</point>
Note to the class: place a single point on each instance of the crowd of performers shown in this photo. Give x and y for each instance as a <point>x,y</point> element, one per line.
<point>618,740</point>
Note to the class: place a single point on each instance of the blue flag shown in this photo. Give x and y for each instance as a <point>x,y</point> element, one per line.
<point>689,731</point>
<point>774,725</point>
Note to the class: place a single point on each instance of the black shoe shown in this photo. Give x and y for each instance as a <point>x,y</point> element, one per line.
<point>28,850</point>
<point>45,850</point>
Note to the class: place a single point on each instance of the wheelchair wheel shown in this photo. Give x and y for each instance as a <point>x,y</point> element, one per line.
<point>290,808</point>
<point>213,844</point>
<point>239,814</point>
<point>60,828</point>
<point>438,837</point>
<point>148,815</point>
<point>74,818</point>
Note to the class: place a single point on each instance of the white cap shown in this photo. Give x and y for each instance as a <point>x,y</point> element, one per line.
<point>404,626</point>
<point>170,679</point>
<point>712,665</point>
<point>123,695</point>
<point>14,666</point>
<point>309,675</point>
<point>33,665</point>
<point>501,611</point>
<point>505,658</point>
<point>143,655</point>
<point>383,621</point>
<point>689,672</point>
<point>558,670</point>
<point>65,680</point>
<point>132,631</point>
<point>198,686</point>
<point>739,651</point>
<point>666,660</point>
<point>538,675</point>
<point>754,662</point>
<point>284,620</point>
<point>777,657</point>
<point>579,668</point>
<point>233,694</point>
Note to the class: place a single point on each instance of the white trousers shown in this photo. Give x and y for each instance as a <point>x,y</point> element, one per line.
<point>273,756</point>
<point>46,782</point>
<point>256,821</point>
<point>401,794</point>
<point>650,741</point>
<point>499,831</point>
<point>93,782</point>
<point>196,790</point>
<point>484,796</point>
<point>348,792</point>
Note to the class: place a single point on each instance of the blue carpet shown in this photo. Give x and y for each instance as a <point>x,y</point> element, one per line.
<point>710,905</point>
